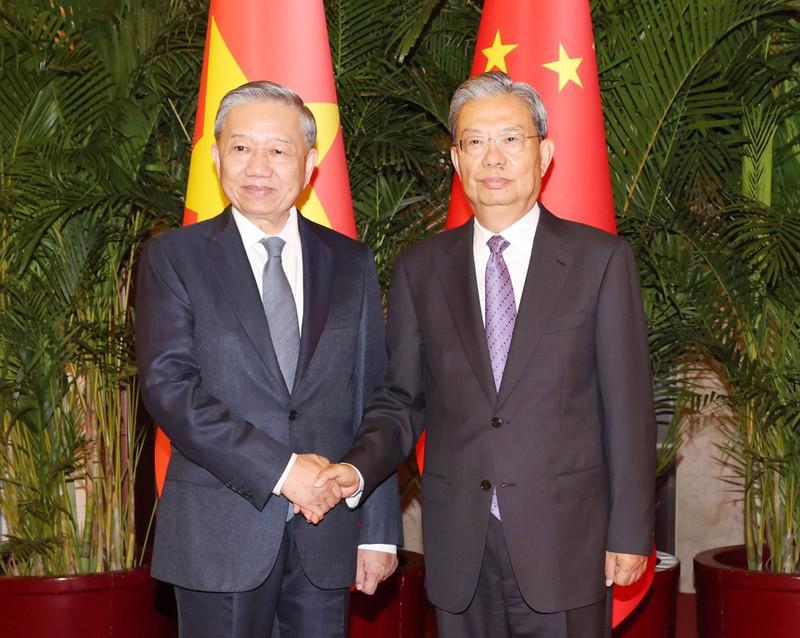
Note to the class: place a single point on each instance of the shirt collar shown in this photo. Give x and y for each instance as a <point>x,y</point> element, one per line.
<point>252,234</point>
<point>521,231</point>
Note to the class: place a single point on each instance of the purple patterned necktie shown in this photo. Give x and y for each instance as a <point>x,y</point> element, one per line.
<point>501,312</point>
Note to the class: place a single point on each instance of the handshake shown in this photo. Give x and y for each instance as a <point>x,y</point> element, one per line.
<point>315,485</point>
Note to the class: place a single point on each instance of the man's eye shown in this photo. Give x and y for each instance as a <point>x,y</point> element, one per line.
<point>474,141</point>
<point>277,151</point>
<point>511,139</point>
<point>239,148</point>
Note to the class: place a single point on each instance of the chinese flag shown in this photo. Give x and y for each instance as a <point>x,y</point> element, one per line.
<point>287,43</point>
<point>549,44</point>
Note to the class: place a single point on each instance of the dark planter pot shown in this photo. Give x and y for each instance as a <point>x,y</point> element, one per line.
<point>734,602</point>
<point>398,609</point>
<point>655,615</point>
<point>124,604</point>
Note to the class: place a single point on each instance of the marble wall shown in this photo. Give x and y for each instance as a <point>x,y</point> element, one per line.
<point>709,511</point>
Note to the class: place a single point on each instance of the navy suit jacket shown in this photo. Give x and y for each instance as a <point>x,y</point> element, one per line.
<point>210,378</point>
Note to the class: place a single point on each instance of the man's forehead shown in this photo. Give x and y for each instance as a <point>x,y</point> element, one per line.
<point>259,118</point>
<point>498,111</point>
<point>246,134</point>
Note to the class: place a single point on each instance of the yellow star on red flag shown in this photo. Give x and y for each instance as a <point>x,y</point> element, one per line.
<point>496,54</point>
<point>566,67</point>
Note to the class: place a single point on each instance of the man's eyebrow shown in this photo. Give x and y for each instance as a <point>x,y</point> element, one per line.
<point>511,127</point>
<point>274,138</point>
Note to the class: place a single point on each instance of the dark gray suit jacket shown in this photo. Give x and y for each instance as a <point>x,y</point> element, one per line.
<point>210,378</point>
<point>569,439</point>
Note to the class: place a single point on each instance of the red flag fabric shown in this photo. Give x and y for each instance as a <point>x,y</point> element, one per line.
<point>550,45</point>
<point>287,43</point>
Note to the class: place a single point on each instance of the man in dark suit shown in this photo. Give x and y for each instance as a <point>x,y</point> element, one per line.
<point>519,342</point>
<point>259,337</point>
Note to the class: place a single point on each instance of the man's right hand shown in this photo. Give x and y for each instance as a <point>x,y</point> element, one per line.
<point>299,487</point>
<point>342,475</point>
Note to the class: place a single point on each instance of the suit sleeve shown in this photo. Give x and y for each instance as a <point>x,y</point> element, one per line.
<point>205,430</point>
<point>380,513</point>
<point>392,421</point>
<point>623,366</point>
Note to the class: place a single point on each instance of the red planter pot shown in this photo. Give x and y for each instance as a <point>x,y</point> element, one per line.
<point>655,615</point>
<point>125,604</point>
<point>734,602</point>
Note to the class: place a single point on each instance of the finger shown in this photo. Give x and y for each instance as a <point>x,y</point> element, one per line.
<point>315,511</point>
<point>327,497</point>
<point>611,568</point>
<point>296,508</point>
<point>331,501</point>
<point>361,575</point>
<point>624,575</point>
<point>328,473</point>
<point>370,583</point>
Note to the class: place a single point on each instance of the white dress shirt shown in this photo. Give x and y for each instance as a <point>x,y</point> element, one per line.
<point>291,257</point>
<point>517,256</point>
<point>292,262</point>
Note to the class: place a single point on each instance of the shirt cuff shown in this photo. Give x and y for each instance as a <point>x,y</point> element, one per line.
<point>279,485</point>
<point>379,547</point>
<point>353,501</point>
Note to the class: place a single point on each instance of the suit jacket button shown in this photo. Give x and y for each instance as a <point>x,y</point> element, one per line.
<point>486,485</point>
<point>294,415</point>
<point>496,422</point>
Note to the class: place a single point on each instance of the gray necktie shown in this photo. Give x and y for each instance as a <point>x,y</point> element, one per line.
<point>501,313</point>
<point>281,311</point>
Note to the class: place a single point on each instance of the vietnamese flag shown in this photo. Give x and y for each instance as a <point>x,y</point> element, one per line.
<point>287,43</point>
<point>549,44</point>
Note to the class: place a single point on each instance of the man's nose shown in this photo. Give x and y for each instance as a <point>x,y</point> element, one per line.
<point>493,155</point>
<point>259,164</point>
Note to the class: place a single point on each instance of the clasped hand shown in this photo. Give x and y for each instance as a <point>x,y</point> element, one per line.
<point>315,486</point>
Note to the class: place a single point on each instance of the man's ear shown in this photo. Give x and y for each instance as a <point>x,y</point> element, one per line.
<point>546,149</point>
<point>215,155</point>
<point>454,158</point>
<point>311,160</point>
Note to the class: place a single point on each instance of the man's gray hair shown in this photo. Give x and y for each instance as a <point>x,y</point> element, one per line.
<point>493,84</point>
<point>264,90</point>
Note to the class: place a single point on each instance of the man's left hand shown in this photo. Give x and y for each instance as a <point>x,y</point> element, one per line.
<point>372,568</point>
<point>624,569</point>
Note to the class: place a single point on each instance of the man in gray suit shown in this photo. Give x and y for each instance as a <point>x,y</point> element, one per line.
<point>259,336</point>
<point>519,341</point>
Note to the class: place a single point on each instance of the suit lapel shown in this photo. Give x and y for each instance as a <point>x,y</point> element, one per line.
<point>461,291</point>
<point>228,260</point>
<point>318,265</point>
<point>547,273</point>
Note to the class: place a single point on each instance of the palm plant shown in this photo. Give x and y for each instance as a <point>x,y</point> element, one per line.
<point>396,65</point>
<point>93,156</point>
<point>690,98</point>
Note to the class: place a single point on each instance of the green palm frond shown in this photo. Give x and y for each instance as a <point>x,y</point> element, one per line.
<point>93,155</point>
<point>660,84</point>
